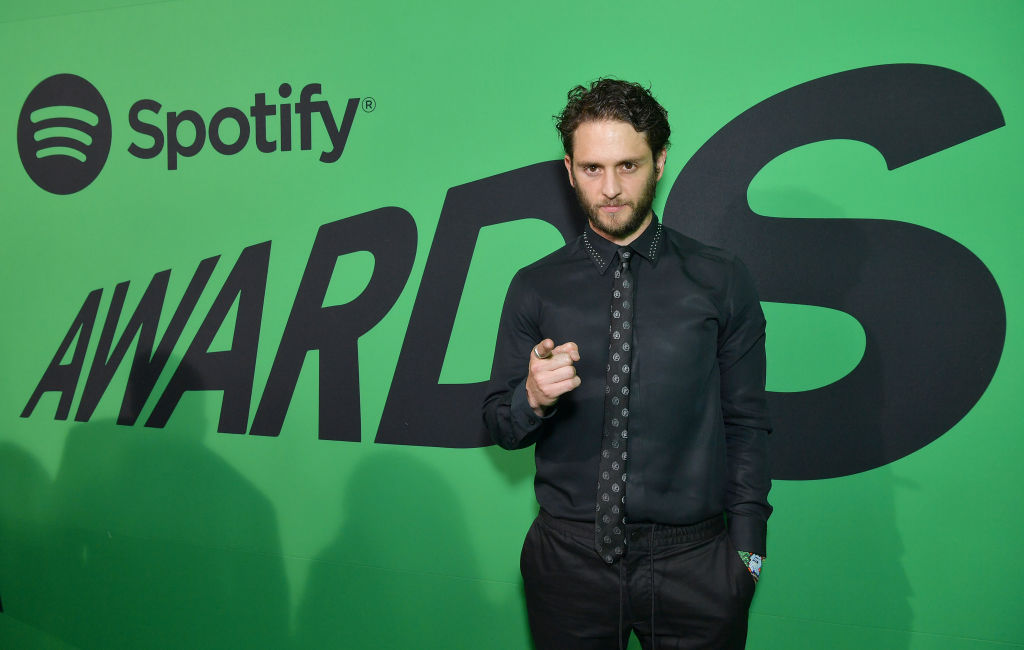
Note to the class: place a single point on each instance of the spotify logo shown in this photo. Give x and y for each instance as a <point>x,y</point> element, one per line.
<point>64,130</point>
<point>64,134</point>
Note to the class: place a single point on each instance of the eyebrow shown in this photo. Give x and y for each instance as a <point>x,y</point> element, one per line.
<point>584,163</point>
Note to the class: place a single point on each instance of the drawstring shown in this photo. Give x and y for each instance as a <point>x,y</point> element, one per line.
<point>622,570</point>
<point>650,553</point>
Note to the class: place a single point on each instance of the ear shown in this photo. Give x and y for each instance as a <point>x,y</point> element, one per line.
<point>659,163</point>
<point>568,168</point>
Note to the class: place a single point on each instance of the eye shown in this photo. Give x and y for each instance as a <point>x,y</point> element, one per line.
<point>628,166</point>
<point>590,169</point>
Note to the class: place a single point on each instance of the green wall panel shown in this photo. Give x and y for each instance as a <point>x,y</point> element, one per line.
<point>115,536</point>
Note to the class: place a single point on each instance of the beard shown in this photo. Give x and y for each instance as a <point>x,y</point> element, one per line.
<point>613,226</point>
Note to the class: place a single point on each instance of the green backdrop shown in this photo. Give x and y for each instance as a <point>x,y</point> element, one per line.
<point>115,536</point>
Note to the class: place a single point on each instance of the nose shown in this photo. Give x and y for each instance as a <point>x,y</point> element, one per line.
<point>611,187</point>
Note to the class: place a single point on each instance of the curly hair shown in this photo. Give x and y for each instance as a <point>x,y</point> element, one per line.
<point>612,99</point>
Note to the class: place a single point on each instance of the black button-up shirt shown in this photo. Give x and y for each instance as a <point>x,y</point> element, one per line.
<point>698,415</point>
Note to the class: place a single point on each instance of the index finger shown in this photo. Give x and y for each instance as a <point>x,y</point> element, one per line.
<point>570,348</point>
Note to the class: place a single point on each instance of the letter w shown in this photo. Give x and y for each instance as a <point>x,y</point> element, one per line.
<point>148,363</point>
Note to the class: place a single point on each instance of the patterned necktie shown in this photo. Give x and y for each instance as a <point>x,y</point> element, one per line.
<point>611,482</point>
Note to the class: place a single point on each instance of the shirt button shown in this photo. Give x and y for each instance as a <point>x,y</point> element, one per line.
<point>532,420</point>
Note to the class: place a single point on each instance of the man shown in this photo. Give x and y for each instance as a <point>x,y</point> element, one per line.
<point>633,358</point>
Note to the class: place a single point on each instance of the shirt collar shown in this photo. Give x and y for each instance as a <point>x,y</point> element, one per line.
<point>602,251</point>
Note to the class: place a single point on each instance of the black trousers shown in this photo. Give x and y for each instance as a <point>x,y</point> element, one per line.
<point>676,587</point>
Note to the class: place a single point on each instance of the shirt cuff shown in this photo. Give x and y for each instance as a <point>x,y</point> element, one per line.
<point>522,413</point>
<point>748,533</point>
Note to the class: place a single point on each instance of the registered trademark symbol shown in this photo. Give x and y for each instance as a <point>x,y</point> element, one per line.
<point>369,103</point>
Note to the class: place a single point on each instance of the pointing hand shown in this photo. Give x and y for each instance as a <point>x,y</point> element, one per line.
<point>552,374</point>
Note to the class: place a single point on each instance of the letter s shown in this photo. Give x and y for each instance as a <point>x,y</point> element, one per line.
<point>932,313</point>
<point>145,128</point>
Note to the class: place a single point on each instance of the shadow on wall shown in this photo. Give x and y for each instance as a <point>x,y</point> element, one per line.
<point>150,540</point>
<point>401,572</point>
<point>24,491</point>
<point>848,565</point>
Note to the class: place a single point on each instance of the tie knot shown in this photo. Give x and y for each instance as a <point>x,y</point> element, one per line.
<point>624,255</point>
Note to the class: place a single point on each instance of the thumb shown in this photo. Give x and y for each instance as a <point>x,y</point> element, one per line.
<point>544,348</point>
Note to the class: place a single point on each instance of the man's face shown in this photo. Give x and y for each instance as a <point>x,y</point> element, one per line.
<point>614,174</point>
